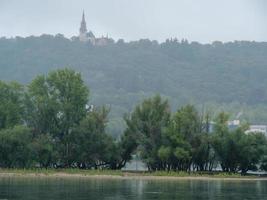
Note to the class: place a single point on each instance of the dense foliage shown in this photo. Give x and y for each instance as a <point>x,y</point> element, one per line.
<point>230,75</point>
<point>11,104</point>
<point>49,124</point>
<point>182,141</point>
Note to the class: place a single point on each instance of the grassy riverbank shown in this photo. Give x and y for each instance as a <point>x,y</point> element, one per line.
<point>121,174</point>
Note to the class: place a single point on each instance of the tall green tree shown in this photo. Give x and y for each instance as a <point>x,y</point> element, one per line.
<point>263,165</point>
<point>55,104</point>
<point>90,146</point>
<point>237,150</point>
<point>224,144</point>
<point>184,126</point>
<point>203,155</point>
<point>44,151</point>
<point>251,150</point>
<point>148,121</point>
<point>127,145</point>
<point>15,147</point>
<point>11,104</point>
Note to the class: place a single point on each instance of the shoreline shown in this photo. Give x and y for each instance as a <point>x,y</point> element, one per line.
<point>125,176</point>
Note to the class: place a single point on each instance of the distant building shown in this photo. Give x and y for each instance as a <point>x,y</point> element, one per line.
<point>232,125</point>
<point>86,36</point>
<point>257,129</point>
<point>83,30</point>
<point>211,126</point>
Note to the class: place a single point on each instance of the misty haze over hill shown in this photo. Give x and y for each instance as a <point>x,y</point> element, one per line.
<point>229,76</point>
<point>217,75</point>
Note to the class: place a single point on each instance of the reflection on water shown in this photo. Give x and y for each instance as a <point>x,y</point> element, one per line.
<point>81,189</point>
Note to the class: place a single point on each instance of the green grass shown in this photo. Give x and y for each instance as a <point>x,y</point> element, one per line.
<point>71,171</point>
<point>197,174</point>
<point>65,171</point>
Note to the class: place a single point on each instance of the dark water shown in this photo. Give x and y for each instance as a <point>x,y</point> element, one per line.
<point>81,189</point>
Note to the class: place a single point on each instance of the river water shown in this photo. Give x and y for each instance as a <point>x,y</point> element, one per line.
<point>101,189</point>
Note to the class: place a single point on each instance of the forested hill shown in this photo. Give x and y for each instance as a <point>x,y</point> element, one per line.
<point>232,75</point>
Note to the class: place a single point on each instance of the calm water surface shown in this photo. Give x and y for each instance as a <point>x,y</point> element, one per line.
<point>82,189</point>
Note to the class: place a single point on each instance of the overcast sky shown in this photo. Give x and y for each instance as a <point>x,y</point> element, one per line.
<point>196,20</point>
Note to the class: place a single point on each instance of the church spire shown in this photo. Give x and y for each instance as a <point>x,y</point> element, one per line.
<point>83,18</point>
<point>83,28</point>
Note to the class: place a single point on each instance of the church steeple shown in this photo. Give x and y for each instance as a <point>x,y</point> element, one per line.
<point>83,28</point>
<point>88,36</point>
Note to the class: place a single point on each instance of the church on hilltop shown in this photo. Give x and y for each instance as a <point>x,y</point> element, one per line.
<point>88,36</point>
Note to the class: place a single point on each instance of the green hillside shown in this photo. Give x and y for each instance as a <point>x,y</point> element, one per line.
<point>229,76</point>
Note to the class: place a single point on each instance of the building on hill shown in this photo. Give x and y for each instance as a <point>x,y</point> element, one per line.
<point>257,129</point>
<point>83,30</point>
<point>232,125</point>
<point>88,36</point>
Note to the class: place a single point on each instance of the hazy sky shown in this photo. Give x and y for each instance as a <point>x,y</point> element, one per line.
<point>196,20</point>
